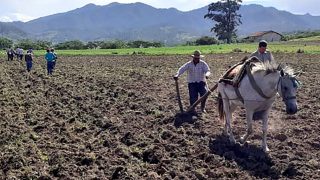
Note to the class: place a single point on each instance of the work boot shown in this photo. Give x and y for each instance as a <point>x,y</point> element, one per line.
<point>203,110</point>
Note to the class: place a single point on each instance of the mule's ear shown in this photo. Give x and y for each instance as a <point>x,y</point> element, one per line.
<point>297,74</point>
<point>296,83</point>
<point>280,67</point>
<point>281,72</point>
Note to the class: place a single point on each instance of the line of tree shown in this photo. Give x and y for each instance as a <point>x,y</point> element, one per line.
<point>117,44</point>
<point>205,40</point>
<point>77,44</point>
<point>301,34</point>
<point>5,43</point>
<point>24,44</point>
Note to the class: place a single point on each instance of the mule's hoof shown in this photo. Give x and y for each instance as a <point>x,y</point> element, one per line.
<point>242,140</point>
<point>225,133</point>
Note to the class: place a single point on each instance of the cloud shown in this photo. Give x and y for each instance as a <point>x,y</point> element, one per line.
<point>5,19</point>
<point>16,17</point>
<point>299,7</point>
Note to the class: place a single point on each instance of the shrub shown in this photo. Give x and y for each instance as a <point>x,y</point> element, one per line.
<point>206,40</point>
<point>237,50</point>
<point>300,51</point>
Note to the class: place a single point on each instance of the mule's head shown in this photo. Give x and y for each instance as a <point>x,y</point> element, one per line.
<point>287,88</point>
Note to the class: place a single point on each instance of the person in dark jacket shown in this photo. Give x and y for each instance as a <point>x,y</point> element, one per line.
<point>29,58</point>
<point>10,54</point>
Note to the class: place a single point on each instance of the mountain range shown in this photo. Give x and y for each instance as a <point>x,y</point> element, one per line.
<point>138,21</point>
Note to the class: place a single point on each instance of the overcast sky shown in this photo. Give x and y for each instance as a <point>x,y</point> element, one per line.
<point>25,10</point>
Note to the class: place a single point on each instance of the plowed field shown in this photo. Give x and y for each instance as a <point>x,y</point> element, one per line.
<point>117,117</point>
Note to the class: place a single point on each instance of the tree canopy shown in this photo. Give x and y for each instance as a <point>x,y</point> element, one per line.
<point>37,44</point>
<point>224,13</point>
<point>5,43</point>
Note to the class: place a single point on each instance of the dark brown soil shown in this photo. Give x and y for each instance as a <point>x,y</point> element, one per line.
<point>116,117</point>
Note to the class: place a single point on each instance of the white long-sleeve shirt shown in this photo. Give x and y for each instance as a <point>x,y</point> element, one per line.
<point>196,73</point>
<point>266,56</point>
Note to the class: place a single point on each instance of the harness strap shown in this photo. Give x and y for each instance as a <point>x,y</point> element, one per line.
<point>236,89</point>
<point>254,84</point>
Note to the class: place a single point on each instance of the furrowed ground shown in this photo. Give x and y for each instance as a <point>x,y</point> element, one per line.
<point>116,117</point>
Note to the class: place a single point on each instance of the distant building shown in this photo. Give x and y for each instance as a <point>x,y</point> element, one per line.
<point>269,36</point>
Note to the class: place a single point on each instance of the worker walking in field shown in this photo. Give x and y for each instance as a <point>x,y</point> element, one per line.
<point>10,54</point>
<point>29,58</point>
<point>262,53</point>
<point>55,58</point>
<point>198,71</point>
<point>49,58</point>
<point>19,53</point>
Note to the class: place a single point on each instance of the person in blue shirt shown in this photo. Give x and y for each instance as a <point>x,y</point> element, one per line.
<point>55,58</point>
<point>49,58</point>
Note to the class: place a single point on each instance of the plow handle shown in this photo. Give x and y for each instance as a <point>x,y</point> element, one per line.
<point>178,95</point>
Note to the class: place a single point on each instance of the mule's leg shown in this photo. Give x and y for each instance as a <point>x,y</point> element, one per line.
<point>249,115</point>
<point>228,112</point>
<point>225,130</point>
<point>264,132</point>
<point>227,125</point>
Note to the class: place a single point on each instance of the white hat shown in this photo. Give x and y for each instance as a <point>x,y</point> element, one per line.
<point>197,54</point>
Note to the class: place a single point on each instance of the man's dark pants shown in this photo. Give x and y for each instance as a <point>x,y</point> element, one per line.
<point>10,57</point>
<point>53,64</point>
<point>195,89</point>
<point>29,65</point>
<point>49,67</point>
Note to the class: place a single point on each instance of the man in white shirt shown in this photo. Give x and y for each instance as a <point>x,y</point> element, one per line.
<point>19,52</point>
<point>262,53</point>
<point>198,72</point>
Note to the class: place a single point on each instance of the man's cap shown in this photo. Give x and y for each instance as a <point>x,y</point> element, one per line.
<point>197,54</point>
<point>263,43</point>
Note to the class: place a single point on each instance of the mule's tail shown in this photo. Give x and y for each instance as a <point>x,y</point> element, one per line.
<point>220,107</point>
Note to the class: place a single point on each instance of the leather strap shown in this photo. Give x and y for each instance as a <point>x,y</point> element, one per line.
<point>238,94</point>
<point>254,84</point>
